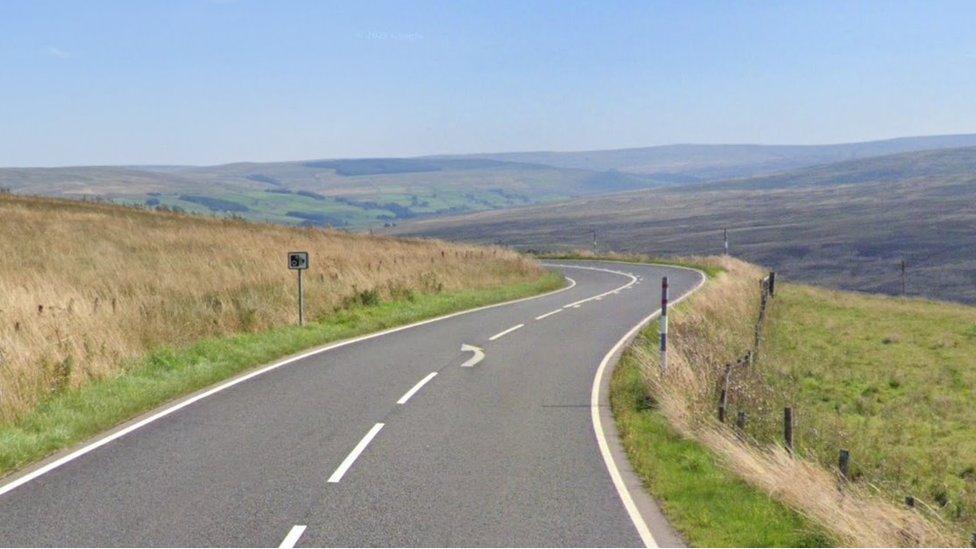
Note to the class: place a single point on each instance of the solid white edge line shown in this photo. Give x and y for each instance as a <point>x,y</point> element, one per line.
<point>351,458</point>
<point>411,392</point>
<point>293,536</point>
<point>505,332</point>
<point>550,313</point>
<point>24,479</point>
<point>625,497</point>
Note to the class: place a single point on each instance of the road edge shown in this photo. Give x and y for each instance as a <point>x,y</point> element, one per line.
<point>651,523</point>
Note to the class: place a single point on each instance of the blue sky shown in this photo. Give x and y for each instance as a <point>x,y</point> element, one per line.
<point>205,81</point>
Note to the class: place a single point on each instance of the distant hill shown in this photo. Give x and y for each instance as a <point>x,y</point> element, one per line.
<point>351,193</point>
<point>688,163</point>
<point>74,182</point>
<point>847,225</point>
<point>362,193</point>
<point>893,168</point>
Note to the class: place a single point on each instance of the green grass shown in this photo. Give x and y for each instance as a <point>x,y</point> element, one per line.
<point>890,379</point>
<point>708,505</point>
<point>75,415</point>
<point>274,207</point>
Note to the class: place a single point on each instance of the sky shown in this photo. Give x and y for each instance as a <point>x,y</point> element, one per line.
<point>215,81</point>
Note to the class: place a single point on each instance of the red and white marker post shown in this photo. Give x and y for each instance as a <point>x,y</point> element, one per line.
<point>664,324</point>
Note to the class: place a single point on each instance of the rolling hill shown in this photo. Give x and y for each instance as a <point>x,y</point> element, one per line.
<point>355,193</point>
<point>372,192</point>
<point>691,163</point>
<point>846,225</point>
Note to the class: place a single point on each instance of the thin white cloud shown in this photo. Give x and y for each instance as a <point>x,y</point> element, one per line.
<point>57,52</point>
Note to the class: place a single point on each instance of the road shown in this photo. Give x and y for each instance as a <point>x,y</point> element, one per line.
<point>387,440</point>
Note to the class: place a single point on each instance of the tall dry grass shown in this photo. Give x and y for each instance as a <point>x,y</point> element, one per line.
<point>714,328</point>
<point>84,287</point>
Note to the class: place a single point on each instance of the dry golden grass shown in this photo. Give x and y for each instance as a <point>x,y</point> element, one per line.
<point>714,328</point>
<point>84,287</point>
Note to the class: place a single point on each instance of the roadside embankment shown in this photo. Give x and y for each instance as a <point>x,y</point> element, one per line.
<point>670,420</point>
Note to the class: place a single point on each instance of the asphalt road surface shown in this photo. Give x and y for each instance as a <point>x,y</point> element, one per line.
<point>385,441</point>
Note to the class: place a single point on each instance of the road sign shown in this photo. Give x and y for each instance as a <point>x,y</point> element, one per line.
<point>298,261</point>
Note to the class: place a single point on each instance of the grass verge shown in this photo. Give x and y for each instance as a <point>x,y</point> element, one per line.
<point>74,415</point>
<point>709,505</point>
<point>712,329</point>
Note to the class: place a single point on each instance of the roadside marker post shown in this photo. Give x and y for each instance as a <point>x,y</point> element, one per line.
<point>904,279</point>
<point>298,261</point>
<point>725,233</point>
<point>664,324</point>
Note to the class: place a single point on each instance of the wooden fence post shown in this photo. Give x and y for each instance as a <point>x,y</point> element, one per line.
<point>788,428</point>
<point>724,395</point>
<point>740,420</point>
<point>763,296</point>
<point>844,463</point>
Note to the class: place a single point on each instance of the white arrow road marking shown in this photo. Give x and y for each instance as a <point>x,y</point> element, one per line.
<point>479,355</point>
<point>421,383</point>
<point>351,458</point>
<point>550,313</point>
<point>292,538</point>
<point>505,332</point>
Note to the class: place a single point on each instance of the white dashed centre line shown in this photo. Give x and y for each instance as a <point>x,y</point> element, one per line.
<point>351,458</point>
<point>411,392</point>
<point>508,331</point>
<point>292,538</point>
<point>550,313</point>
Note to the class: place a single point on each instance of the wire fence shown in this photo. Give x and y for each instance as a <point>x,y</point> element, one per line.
<point>746,401</point>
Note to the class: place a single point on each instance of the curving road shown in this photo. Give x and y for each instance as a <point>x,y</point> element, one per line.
<point>386,440</point>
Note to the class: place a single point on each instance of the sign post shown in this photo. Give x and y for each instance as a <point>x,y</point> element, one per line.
<point>298,261</point>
